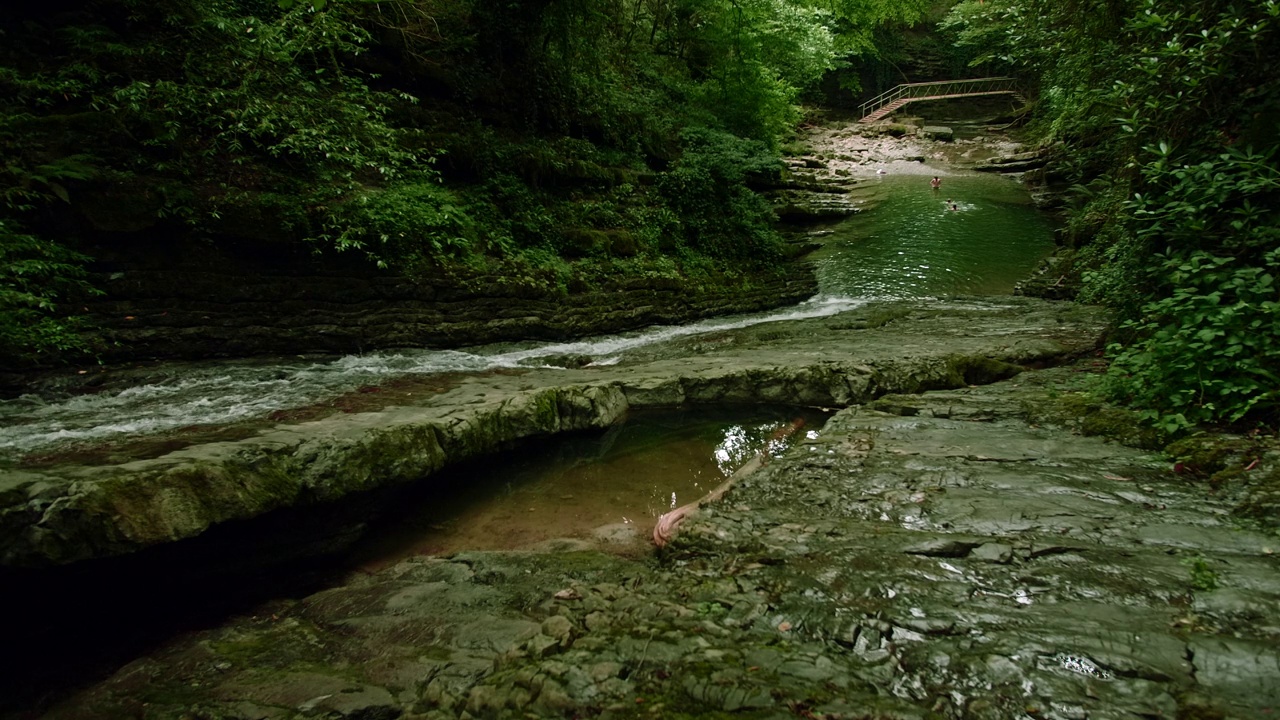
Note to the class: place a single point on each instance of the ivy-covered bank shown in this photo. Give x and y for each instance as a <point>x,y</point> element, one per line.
<point>561,144</point>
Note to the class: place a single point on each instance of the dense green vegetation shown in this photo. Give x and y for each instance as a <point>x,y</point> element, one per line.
<point>565,142</point>
<point>1164,115</point>
<point>555,141</point>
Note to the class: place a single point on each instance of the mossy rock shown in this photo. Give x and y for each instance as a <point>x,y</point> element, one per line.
<point>796,148</point>
<point>984,371</point>
<point>622,243</point>
<point>1059,277</point>
<point>937,132</point>
<point>1123,426</point>
<point>1205,454</point>
<point>897,129</point>
<point>1262,498</point>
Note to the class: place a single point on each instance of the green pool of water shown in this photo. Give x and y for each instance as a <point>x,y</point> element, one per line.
<point>910,244</point>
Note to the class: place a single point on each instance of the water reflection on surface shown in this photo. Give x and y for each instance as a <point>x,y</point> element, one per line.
<point>569,487</point>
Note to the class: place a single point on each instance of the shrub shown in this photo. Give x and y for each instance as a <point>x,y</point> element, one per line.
<point>407,222</point>
<point>36,278</point>
<point>1206,346</point>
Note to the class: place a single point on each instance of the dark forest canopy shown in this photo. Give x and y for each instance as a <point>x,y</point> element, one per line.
<point>554,139</point>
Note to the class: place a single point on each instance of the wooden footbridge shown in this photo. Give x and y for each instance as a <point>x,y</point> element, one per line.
<point>886,102</point>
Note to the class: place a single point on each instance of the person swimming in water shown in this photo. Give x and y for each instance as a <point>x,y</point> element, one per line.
<point>951,205</point>
<point>936,182</point>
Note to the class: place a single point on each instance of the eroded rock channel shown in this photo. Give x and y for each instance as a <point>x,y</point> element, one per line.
<point>953,551</point>
<point>948,546</point>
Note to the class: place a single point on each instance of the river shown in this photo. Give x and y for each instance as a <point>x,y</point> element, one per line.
<point>908,244</point>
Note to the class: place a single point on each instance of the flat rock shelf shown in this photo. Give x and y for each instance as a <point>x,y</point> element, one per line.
<point>947,546</point>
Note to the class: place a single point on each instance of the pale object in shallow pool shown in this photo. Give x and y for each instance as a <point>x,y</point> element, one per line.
<point>665,529</point>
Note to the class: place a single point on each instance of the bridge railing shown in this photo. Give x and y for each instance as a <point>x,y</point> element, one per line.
<point>932,89</point>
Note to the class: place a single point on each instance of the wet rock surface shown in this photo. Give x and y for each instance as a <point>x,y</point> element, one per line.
<point>938,550</point>
<point>948,554</point>
<point>56,513</point>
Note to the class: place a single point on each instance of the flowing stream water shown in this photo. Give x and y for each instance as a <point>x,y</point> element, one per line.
<point>908,245</point>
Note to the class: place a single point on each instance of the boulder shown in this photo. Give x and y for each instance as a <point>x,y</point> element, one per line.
<point>937,132</point>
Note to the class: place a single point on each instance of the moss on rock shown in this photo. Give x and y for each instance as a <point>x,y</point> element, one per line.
<point>1207,455</point>
<point>1122,425</point>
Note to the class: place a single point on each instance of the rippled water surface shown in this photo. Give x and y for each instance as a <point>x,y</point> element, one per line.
<point>910,244</point>
<point>226,392</point>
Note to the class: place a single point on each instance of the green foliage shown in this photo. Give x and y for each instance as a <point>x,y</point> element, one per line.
<point>1205,345</point>
<point>208,104</point>
<point>858,21</point>
<point>409,222</point>
<point>1203,577</point>
<point>1068,52</point>
<point>707,190</point>
<point>632,74</point>
<point>1165,114</point>
<point>36,276</point>
<point>615,134</point>
<point>762,53</point>
<point>263,88</point>
<point>212,106</point>
<point>711,609</point>
<point>26,188</point>
<point>1208,351</point>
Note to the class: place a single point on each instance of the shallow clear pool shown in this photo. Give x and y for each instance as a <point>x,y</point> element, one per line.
<point>570,486</point>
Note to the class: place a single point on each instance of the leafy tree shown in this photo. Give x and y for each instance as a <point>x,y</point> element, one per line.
<point>205,105</point>
<point>707,189</point>
<point>36,276</point>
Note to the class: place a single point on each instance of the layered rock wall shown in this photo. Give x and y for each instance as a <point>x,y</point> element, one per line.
<point>193,301</point>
